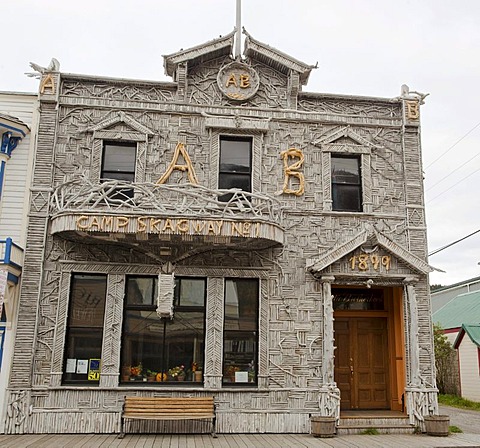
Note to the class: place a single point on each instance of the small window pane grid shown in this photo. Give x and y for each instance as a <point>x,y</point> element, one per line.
<point>235,165</point>
<point>84,334</point>
<point>162,351</point>
<point>240,336</point>
<point>119,164</point>
<point>346,183</point>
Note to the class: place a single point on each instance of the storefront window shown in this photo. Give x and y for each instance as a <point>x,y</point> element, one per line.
<point>240,339</point>
<point>161,351</point>
<point>83,347</point>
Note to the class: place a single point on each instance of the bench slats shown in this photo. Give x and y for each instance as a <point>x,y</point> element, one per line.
<point>163,408</point>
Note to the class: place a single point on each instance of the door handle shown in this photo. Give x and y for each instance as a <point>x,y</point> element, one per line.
<point>351,366</point>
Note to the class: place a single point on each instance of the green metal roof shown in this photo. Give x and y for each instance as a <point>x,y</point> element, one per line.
<point>463,309</point>
<point>473,331</point>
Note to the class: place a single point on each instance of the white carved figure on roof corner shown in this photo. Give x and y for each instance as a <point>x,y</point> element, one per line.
<point>54,66</point>
<point>408,94</point>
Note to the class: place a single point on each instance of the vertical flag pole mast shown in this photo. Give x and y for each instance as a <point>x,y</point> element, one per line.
<point>238,37</point>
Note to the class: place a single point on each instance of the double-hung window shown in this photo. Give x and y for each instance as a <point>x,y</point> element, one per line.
<point>158,350</point>
<point>346,183</point>
<point>235,164</point>
<point>118,163</point>
<point>83,347</point>
<point>240,336</point>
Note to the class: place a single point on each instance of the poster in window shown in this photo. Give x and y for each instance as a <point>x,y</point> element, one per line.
<point>71,366</point>
<point>93,369</point>
<point>82,366</point>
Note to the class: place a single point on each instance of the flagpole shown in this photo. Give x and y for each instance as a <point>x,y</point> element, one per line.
<point>238,37</point>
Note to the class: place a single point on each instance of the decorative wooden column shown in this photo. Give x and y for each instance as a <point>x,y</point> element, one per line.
<point>421,397</point>
<point>329,399</point>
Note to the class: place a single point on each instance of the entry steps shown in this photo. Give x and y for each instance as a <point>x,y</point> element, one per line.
<point>383,424</point>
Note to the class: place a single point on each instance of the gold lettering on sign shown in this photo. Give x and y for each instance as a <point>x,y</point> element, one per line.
<point>413,110</point>
<point>364,262</point>
<point>182,225</point>
<point>244,81</point>
<point>292,170</point>
<point>141,226</point>
<point>169,226</point>
<point>231,81</point>
<point>47,83</point>
<point>188,167</point>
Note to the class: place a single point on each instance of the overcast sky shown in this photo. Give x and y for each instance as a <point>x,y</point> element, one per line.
<point>363,47</point>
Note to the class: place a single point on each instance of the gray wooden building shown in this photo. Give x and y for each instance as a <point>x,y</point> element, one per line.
<point>223,234</point>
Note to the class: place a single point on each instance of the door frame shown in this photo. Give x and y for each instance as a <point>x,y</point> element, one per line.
<point>393,313</point>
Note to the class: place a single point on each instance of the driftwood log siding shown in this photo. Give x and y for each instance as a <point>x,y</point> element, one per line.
<point>303,250</point>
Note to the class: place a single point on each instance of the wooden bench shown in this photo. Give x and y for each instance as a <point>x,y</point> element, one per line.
<point>156,408</point>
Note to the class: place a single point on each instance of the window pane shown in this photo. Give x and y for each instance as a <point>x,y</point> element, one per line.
<point>235,155</point>
<point>346,197</point>
<point>190,292</point>
<point>240,331</point>
<point>141,290</point>
<point>119,157</point>
<point>241,181</point>
<point>345,170</point>
<point>127,177</point>
<point>162,350</point>
<point>83,346</point>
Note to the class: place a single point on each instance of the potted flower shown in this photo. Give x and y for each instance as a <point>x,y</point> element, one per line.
<point>151,375</point>
<point>230,372</point>
<point>177,373</point>
<point>197,372</point>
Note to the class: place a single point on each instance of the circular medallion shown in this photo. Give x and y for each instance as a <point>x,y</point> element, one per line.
<point>238,81</point>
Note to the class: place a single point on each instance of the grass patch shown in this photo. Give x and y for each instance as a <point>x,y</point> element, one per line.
<point>458,402</point>
<point>454,429</point>
<point>370,432</point>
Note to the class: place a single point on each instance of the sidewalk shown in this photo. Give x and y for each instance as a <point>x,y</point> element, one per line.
<point>235,441</point>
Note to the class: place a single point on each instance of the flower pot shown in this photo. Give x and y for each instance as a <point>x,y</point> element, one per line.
<point>323,426</point>
<point>198,376</point>
<point>181,378</point>
<point>437,425</point>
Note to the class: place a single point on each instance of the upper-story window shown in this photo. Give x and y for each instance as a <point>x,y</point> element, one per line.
<point>119,163</point>
<point>235,164</point>
<point>346,183</point>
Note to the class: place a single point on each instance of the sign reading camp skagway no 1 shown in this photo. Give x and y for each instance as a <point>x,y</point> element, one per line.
<point>166,226</point>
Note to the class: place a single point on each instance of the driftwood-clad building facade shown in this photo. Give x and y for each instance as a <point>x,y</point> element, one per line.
<point>222,234</point>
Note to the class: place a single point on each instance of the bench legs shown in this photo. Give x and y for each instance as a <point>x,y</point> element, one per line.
<point>214,432</point>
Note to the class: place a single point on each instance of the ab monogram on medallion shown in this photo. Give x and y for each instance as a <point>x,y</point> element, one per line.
<point>238,81</point>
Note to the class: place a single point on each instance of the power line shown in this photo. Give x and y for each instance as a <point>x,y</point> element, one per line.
<point>453,146</point>
<point>451,244</point>
<point>455,170</point>
<point>454,185</point>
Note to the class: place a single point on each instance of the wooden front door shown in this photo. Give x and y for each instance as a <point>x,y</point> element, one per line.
<point>361,362</point>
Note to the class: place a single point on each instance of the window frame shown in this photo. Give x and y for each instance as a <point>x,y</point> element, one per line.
<point>339,186</point>
<point>164,323</point>
<point>69,329</point>
<point>222,173</point>
<point>252,381</point>
<point>363,152</point>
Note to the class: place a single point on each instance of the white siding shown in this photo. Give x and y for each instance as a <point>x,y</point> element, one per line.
<point>15,196</point>
<point>469,369</point>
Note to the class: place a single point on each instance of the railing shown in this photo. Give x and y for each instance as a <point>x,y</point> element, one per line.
<point>11,253</point>
<point>183,200</point>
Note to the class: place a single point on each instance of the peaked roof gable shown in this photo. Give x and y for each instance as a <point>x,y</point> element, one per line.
<point>473,332</point>
<point>339,251</point>
<point>210,50</point>
<point>344,132</point>
<point>463,309</point>
<point>121,117</point>
<point>275,58</point>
